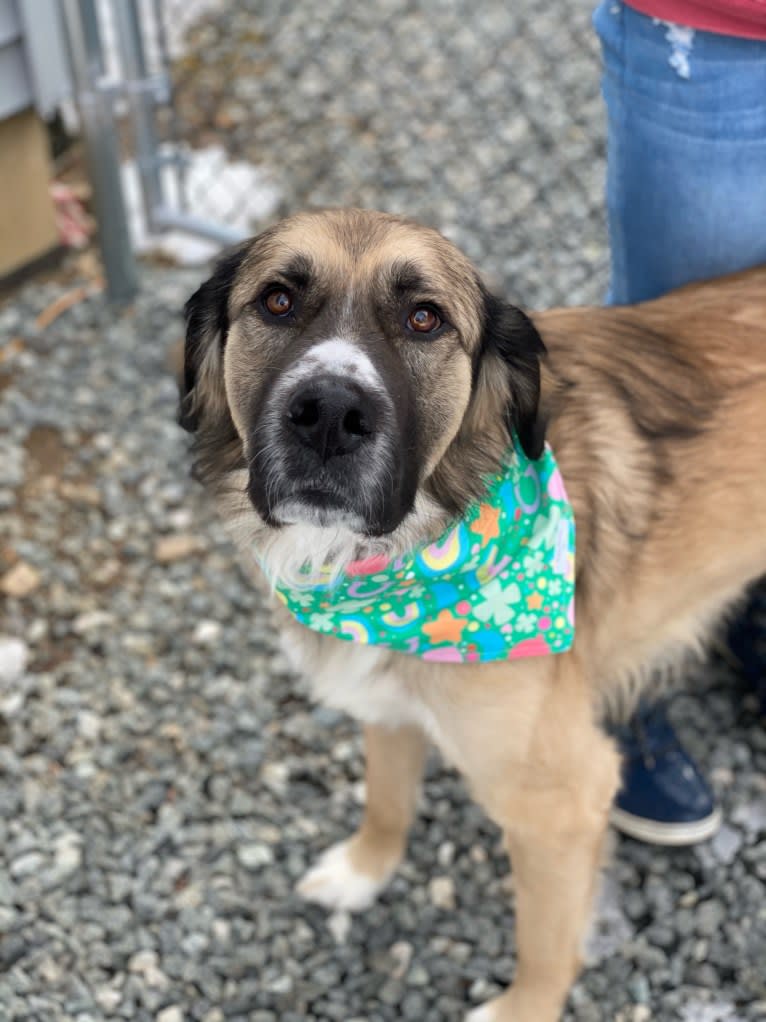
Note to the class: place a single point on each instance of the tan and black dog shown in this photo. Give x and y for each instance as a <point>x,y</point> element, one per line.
<point>657,416</point>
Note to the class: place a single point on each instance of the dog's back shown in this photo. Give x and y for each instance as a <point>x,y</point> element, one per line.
<point>657,413</point>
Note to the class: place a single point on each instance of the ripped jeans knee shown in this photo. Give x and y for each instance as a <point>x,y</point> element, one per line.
<point>681,40</point>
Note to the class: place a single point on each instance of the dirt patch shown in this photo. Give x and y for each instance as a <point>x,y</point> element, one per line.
<point>13,347</point>
<point>46,450</point>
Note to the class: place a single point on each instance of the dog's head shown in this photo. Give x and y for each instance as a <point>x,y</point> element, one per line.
<point>351,361</point>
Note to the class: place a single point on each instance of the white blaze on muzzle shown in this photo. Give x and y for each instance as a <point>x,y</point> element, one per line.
<point>340,357</point>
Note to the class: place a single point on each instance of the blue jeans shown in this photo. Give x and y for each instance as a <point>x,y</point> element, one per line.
<point>686,177</point>
<point>686,180</point>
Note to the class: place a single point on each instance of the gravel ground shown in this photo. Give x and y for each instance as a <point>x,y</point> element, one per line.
<point>163,779</point>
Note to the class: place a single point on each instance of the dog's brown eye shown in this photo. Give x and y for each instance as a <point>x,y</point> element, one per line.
<point>424,320</point>
<point>278,302</point>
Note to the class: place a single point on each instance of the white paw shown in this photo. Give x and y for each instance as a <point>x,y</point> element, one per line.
<point>484,1013</point>
<point>334,883</point>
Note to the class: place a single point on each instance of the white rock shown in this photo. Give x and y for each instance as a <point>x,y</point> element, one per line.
<point>37,630</point>
<point>170,1014</point>
<point>89,724</point>
<point>180,519</point>
<point>12,705</point>
<point>67,853</point>
<point>275,776</point>
<point>142,960</point>
<point>145,964</point>
<point>50,971</point>
<point>401,954</point>
<point>14,655</point>
<point>441,890</point>
<point>446,854</point>
<point>255,856</point>
<point>706,1011</point>
<point>156,979</point>
<point>108,998</point>
<point>207,633</point>
<point>90,620</point>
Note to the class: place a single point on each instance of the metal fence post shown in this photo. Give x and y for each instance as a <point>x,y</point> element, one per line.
<point>102,150</point>
<point>139,89</point>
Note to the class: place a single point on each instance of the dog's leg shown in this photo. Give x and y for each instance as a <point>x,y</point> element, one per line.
<point>554,884</point>
<point>351,874</point>
<point>555,821</point>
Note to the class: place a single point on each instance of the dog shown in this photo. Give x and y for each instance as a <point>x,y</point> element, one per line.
<point>351,384</point>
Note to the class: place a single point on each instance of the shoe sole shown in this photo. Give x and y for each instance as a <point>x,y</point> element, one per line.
<point>670,834</point>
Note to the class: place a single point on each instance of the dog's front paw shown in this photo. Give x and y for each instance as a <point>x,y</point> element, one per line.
<point>337,884</point>
<point>518,1005</point>
<point>484,1013</point>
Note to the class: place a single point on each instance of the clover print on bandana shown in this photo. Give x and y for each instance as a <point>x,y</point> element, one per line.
<point>498,603</point>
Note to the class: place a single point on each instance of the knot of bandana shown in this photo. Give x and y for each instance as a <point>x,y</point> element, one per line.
<point>497,585</point>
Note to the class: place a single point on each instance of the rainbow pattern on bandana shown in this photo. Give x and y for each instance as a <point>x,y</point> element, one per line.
<point>497,585</point>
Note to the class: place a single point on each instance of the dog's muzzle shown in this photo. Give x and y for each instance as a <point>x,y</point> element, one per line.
<point>323,452</point>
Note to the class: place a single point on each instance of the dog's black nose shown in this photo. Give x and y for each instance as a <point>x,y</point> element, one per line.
<point>331,416</point>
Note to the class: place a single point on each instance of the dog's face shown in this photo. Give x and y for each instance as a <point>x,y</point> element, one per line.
<point>347,350</point>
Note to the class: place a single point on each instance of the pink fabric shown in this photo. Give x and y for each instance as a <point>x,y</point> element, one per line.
<point>745,18</point>
<point>369,566</point>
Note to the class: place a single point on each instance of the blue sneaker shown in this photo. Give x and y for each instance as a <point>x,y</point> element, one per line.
<point>664,799</point>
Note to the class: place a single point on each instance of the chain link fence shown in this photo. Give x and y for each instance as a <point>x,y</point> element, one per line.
<point>485,121</point>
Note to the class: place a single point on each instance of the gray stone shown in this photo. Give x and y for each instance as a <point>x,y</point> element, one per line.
<point>710,915</point>
<point>27,865</point>
<point>726,844</point>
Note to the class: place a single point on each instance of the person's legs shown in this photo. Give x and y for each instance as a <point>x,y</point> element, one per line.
<point>686,177</point>
<point>686,200</point>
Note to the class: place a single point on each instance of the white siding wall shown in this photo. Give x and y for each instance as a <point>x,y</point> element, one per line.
<point>33,63</point>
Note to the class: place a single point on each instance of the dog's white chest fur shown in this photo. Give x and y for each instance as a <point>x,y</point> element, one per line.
<point>351,677</point>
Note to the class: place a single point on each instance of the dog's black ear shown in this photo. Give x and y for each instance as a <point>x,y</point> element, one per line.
<point>207,324</point>
<point>511,336</point>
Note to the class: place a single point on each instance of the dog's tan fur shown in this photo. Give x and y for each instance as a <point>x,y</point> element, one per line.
<point>657,415</point>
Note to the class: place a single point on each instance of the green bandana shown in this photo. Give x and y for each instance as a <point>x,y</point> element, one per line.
<point>497,585</point>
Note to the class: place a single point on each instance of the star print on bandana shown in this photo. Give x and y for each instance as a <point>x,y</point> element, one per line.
<point>445,628</point>
<point>486,525</point>
<point>497,585</point>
